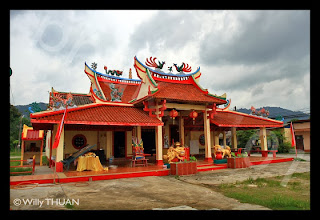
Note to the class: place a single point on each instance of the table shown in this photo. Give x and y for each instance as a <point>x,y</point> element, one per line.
<point>89,163</point>
<point>144,162</point>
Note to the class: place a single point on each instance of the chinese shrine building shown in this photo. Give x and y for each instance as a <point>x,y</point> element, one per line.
<point>158,108</point>
<point>32,144</point>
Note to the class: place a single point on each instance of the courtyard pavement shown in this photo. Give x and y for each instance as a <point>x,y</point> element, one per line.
<point>152,193</point>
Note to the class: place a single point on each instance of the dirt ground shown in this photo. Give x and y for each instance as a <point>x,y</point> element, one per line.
<point>147,193</point>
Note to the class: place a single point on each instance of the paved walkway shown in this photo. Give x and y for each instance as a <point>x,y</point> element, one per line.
<point>158,193</point>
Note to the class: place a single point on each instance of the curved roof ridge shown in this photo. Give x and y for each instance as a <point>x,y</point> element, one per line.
<point>113,77</point>
<point>168,74</point>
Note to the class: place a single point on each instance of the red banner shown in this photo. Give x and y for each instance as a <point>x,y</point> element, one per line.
<point>293,138</point>
<point>58,134</point>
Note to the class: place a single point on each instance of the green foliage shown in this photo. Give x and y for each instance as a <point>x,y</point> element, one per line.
<point>277,135</point>
<point>35,107</point>
<point>284,147</point>
<point>16,121</point>
<point>245,154</point>
<point>193,158</point>
<point>244,137</point>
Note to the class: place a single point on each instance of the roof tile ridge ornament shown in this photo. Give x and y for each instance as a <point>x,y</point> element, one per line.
<point>152,63</point>
<point>226,106</point>
<point>57,102</point>
<point>183,68</point>
<point>167,74</point>
<point>96,89</point>
<point>101,75</point>
<point>262,113</point>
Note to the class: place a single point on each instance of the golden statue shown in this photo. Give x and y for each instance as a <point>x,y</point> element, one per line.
<point>175,152</point>
<point>218,148</point>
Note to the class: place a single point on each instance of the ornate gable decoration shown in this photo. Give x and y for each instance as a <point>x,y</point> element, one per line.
<point>57,102</point>
<point>115,94</point>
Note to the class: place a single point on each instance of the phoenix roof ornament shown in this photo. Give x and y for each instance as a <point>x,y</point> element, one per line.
<point>151,63</point>
<point>183,68</point>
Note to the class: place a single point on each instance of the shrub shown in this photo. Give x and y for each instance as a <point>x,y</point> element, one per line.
<point>284,147</point>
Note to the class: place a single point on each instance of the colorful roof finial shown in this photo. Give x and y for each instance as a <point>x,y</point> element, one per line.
<point>183,68</point>
<point>94,66</point>
<point>152,63</point>
<point>112,72</point>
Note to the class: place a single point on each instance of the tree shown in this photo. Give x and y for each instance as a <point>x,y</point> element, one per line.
<point>16,121</point>
<point>279,135</point>
<point>244,138</point>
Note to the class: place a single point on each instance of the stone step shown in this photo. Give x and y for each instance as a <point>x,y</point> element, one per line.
<point>210,168</point>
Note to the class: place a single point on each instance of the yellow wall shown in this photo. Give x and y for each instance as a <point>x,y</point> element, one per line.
<point>287,134</point>
<point>105,139</point>
<point>194,135</point>
<point>90,135</point>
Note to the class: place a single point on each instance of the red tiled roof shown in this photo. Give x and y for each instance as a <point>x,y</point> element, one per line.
<point>32,134</point>
<point>100,114</point>
<point>237,119</point>
<point>184,92</point>
<point>29,134</point>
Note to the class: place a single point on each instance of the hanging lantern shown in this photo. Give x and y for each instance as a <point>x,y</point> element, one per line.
<point>193,114</point>
<point>173,114</point>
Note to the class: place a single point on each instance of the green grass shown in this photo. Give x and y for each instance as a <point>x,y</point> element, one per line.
<point>17,163</point>
<point>20,169</point>
<point>269,192</point>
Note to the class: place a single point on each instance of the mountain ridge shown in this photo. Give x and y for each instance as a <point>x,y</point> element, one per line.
<point>275,112</point>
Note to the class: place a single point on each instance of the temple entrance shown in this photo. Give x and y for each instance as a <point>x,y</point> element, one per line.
<point>149,141</point>
<point>119,144</point>
<point>174,133</point>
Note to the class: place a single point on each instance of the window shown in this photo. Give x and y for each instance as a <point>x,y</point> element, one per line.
<point>202,139</point>
<point>79,141</point>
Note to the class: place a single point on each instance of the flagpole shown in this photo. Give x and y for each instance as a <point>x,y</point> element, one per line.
<point>293,138</point>
<point>57,140</point>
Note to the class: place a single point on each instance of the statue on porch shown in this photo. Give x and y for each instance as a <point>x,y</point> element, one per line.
<point>137,149</point>
<point>225,152</point>
<point>175,152</point>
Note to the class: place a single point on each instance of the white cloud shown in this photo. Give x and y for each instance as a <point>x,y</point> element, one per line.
<point>258,58</point>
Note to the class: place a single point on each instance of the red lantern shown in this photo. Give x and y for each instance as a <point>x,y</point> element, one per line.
<point>173,114</point>
<point>193,114</point>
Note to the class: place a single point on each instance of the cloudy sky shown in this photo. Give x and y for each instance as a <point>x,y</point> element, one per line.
<point>259,58</point>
